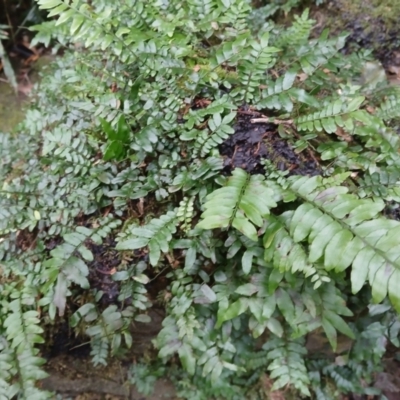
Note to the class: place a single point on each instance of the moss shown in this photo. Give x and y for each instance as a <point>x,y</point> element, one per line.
<point>11,112</point>
<point>367,11</point>
<point>388,11</point>
<point>371,24</point>
<point>12,106</point>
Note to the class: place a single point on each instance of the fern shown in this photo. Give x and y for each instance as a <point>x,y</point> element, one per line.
<point>125,152</point>
<point>287,364</point>
<point>389,109</point>
<point>298,33</point>
<point>219,131</point>
<point>18,354</point>
<point>336,114</point>
<point>242,200</point>
<point>349,228</point>
<point>260,59</point>
<point>383,183</point>
<point>185,213</point>
<point>65,267</point>
<point>156,235</point>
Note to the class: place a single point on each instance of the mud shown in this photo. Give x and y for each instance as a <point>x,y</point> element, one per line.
<point>253,142</point>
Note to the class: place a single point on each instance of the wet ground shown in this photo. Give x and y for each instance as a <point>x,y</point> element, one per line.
<point>11,107</point>
<point>255,141</point>
<point>73,377</point>
<point>13,104</point>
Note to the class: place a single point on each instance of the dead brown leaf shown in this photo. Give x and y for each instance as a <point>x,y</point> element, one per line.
<point>345,136</point>
<point>140,206</point>
<point>370,109</point>
<point>266,384</point>
<point>302,76</point>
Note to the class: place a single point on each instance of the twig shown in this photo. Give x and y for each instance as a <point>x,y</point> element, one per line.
<point>256,113</point>
<point>274,121</point>
<point>234,154</point>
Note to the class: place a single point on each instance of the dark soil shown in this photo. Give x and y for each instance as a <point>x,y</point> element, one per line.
<point>254,142</point>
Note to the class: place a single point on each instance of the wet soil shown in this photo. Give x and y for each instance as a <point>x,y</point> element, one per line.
<point>73,376</point>
<point>77,379</point>
<point>255,141</point>
<point>13,105</point>
<point>371,24</point>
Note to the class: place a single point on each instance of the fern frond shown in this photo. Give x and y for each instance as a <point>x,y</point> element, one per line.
<point>344,230</point>
<point>157,235</point>
<point>336,114</point>
<point>18,354</point>
<point>390,108</point>
<point>219,131</point>
<point>185,213</point>
<point>66,267</point>
<point>298,33</point>
<point>92,27</point>
<point>100,350</point>
<point>293,256</point>
<point>384,183</point>
<point>244,198</point>
<point>252,67</point>
<point>278,94</point>
<point>376,134</point>
<point>320,52</point>
<point>287,364</point>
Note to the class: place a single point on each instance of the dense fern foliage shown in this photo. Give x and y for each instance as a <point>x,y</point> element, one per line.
<point>122,170</point>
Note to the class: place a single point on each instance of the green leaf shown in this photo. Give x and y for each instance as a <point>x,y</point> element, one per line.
<point>244,226</point>
<point>303,220</point>
<point>335,250</point>
<point>288,79</point>
<point>274,280</point>
<point>132,244</point>
<point>208,293</point>
<point>355,104</point>
<point>233,310</point>
<point>381,281</point>
<point>318,246</point>
<point>330,332</point>
<point>275,327</point>
<point>154,252</point>
<point>217,370</point>
<point>123,131</point>
<point>285,305</point>
<point>209,365</point>
<point>76,23</point>
<point>247,261</point>
<point>247,289</point>
<point>8,69</point>
<point>393,288</point>
<point>243,198</point>
<point>115,150</point>
<point>339,323</point>
<point>190,257</point>
<point>187,358</point>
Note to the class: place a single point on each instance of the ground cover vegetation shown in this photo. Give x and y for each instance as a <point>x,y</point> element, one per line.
<point>237,166</point>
